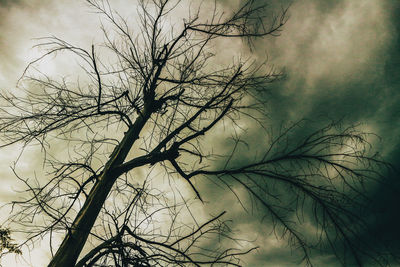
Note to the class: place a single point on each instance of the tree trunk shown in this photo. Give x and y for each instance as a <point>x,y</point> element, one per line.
<point>72,245</point>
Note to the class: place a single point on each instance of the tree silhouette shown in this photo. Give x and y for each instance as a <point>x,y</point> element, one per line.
<point>152,94</point>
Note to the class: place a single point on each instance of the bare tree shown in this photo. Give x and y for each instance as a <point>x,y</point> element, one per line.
<point>152,95</point>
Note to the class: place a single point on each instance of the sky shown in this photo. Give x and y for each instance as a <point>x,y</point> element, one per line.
<point>340,59</point>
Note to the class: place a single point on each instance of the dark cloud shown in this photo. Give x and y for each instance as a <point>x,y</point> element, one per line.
<point>9,2</point>
<point>387,196</point>
<point>341,61</point>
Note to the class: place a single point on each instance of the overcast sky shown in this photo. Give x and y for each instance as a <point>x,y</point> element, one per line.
<point>341,59</point>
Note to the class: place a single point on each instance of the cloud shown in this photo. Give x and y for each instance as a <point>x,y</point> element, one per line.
<point>336,55</point>
<point>331,55</point>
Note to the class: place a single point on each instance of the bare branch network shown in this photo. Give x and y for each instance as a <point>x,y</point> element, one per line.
<point>152,95</point>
